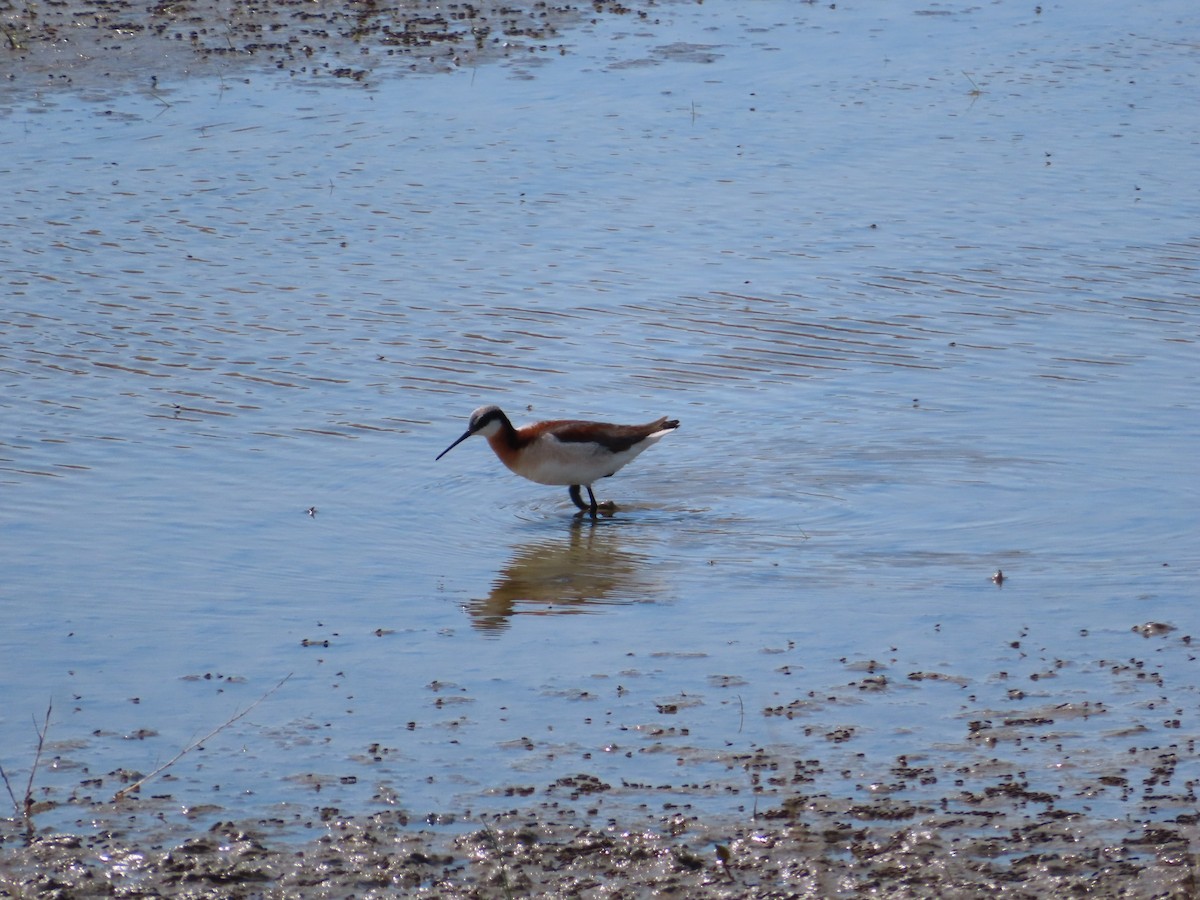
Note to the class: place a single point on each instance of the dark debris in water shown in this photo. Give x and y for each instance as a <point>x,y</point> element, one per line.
<point>1153,629</point>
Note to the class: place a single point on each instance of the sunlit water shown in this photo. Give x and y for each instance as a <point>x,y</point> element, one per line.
<point>921,285</point>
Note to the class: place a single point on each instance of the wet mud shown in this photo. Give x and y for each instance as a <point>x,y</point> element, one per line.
<point>1003,842</point>
<point>90,45</point>
<point>1025,804</point>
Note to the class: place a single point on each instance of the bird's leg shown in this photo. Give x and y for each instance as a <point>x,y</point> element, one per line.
<point>593,508</point>
<point>578,501</point>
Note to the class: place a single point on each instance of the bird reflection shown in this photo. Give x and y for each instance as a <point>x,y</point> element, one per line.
<point>563,577</point>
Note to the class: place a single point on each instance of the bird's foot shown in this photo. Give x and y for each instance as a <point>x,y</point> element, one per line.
<point>592,507</point>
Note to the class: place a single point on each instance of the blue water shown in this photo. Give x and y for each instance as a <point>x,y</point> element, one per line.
<point>921,288</point>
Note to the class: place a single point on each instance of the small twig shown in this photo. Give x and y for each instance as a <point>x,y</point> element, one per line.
<point>725,857</point>
<point>741,713</point>
<point>159,98</point>
<point>125,791</point>
<point>8,785</point>
<point>24,808</point>
<point>37,758</point>
<point>13,43</point>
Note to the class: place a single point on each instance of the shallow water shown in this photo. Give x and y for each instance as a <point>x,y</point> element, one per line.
<point>919,325</point>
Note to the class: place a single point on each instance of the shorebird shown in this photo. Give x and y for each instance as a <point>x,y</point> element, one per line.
<point>564,451</point>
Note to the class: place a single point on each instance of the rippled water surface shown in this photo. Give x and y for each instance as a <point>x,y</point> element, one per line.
<point>920,282</point>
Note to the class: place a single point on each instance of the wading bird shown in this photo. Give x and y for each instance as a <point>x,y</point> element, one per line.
<point>564,451</point>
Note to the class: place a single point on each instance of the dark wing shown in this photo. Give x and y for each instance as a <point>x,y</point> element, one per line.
<point>614,438</point>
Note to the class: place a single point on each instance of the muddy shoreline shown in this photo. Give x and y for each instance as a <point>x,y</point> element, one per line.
<point>978,825</point>
<point>807,846</point>
<point>108,43</point>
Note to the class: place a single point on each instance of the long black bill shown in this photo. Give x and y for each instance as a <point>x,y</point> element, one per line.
<point>466,435</point>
